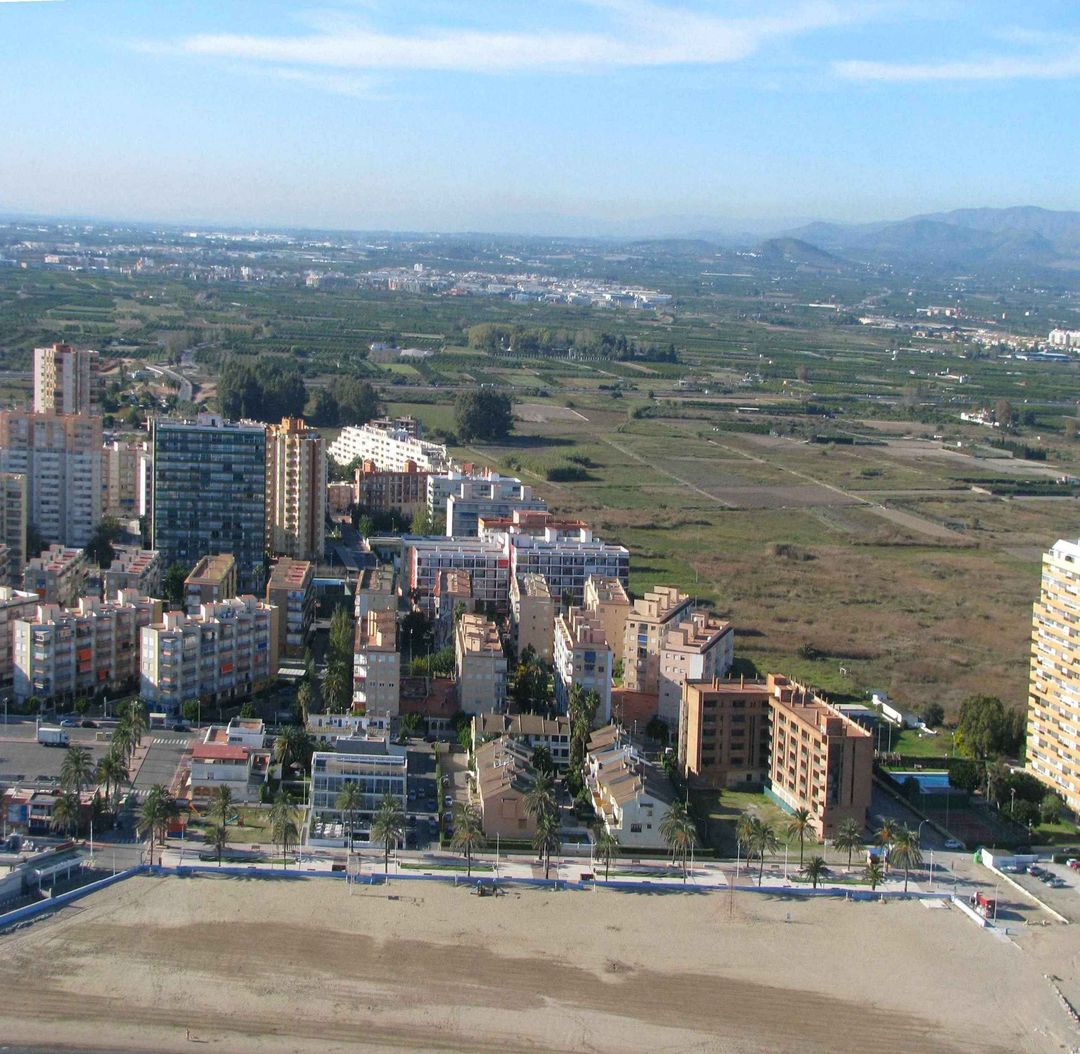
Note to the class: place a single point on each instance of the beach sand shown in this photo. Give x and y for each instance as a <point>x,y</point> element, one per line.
<point>172,964</point>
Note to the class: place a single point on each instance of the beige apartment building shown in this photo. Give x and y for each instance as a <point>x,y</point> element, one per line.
<point>295,490</point>
<point>66,380</point>
<point>13,525</point>
<point>606,598</point>
<point>131,568</point>
<point>291,589</point>
<point>699,648</point>
<point>70,653</point>
<point>123,478</point>
<point>374,591</point>
<point>1053,738</point>
<point>532,615</point>
<point>583,658</point>
<point>58,575</point>
<point>724,733</point>
<point>403,492</point>
<point>504,777</point>
<point>377,664</point>
<point>480,665</point>
<point>211,580</point>
<point>647,625</point>
<point>14,604</point>
<point>453,592</point>
<point>819,759</point>
<point>60,456</point>
<point>225,651</point>
<point>528,731</point>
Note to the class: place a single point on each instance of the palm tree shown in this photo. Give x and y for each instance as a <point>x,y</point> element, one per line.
<point>77,770</point>
<point>388,827</point>
<point>849,837</point>
<point>905,851</point>
<point>546,840</point>
<point>468,834</point>
<point>292,747</point>
<point>284,830</point>
<point>337,688</point>
<point>410,724</point>
<point>744,829</point>
<point>815,870</point>
<point>217,838</point>
<point>123,741</point>
<point>157,808</point>
<point>112,772</point>
<point>875,873</point>
<point>65,813</point>
<point>540,798</point>
<point>606,848</point>
<point>349,800</point>
<point>678,830</point>
<point>305,697</point>
<point>221,805</point>
<point>886,835</point>
<point>798,826</point>
<point>137,720</point>
<point>763,840</point>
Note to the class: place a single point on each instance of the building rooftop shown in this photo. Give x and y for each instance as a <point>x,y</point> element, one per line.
<point>812,709</point>
<point>290,574</point>
<point>219,752</point>
<point>377,631</point>
<point>55,558</point>
<point>608,590</point>
<point>375,580</point>
<point>533,585</point>
<point>581,628</point>
<point>453,582</point>
<point>521,725</point>
<point>660,604</point>
<point>211,570</point>
<point>478,635</point>
<point>698,635</point>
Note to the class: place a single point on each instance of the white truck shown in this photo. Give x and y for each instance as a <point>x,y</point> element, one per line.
<point>50,736</point>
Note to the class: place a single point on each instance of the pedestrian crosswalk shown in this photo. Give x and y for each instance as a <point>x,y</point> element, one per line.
<point>170,741</point>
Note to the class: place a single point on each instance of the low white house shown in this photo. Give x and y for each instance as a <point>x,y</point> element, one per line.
<point>221,761</point>
<point>630,795</point>
<point>892,713</point>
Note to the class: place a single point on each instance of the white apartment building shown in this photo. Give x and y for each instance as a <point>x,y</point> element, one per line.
<point>377,664</point>
<point>486,495</point>
<point>1053,738</point>
<point>377,766</point>
<point>485,561</point>
<point>57,576</point>
<point>69,653</point>
<point>131,568</point>
<point>480,665</point>
<point>391,445</point>
<point>14,604</point>
<point>631,796</point>
<point>699,649</point>
<point>225,651</point>
<point>529,731</point>
<point>582,657</point>
<point>60,455</point>
<point>328,728</point>
<point>65,380</point>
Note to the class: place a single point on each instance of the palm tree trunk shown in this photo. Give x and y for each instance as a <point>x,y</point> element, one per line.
<point>468,861</point>
<point>801,838</point>
<point>761,869</point>
<point>905,878</point>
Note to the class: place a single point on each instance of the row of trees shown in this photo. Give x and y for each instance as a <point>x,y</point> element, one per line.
<point>483,414</point>
<point>266,390</point>
<point>501,339</point>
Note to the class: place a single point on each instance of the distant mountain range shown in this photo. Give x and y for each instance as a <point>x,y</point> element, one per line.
<point>975,239</point>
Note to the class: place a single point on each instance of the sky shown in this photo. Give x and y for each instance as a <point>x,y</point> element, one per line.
<point>550,117</point>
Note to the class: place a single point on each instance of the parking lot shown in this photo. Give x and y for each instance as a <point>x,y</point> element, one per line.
<point>1056,885</point>
<point>24,760</point>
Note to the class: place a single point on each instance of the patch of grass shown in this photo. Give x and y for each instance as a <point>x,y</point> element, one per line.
<point>444,867</point>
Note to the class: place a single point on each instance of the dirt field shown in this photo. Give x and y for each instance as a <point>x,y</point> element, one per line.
<point>162,963</point>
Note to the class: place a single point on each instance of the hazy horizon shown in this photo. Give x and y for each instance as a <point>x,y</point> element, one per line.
<point>596,118</point>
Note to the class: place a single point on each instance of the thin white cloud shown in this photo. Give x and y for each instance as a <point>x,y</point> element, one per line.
<point>640,33</point>
<point>355,87</point>
<point>1060,66</point>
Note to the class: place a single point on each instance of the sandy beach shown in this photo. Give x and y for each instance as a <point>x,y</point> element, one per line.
<point>171,964</point>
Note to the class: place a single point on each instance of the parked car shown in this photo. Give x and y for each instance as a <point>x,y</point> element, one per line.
<point>953,843</point>
<point>181,727</point>
<point>70,722</point>
<point>87,723</point>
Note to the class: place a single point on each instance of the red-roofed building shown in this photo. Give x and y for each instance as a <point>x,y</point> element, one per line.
<point>216,762</point>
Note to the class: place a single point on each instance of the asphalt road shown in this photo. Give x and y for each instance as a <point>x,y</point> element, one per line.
<point>166,750</point>
<point>24,760</point>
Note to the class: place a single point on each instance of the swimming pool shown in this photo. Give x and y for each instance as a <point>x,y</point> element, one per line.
<point>929,782</point>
